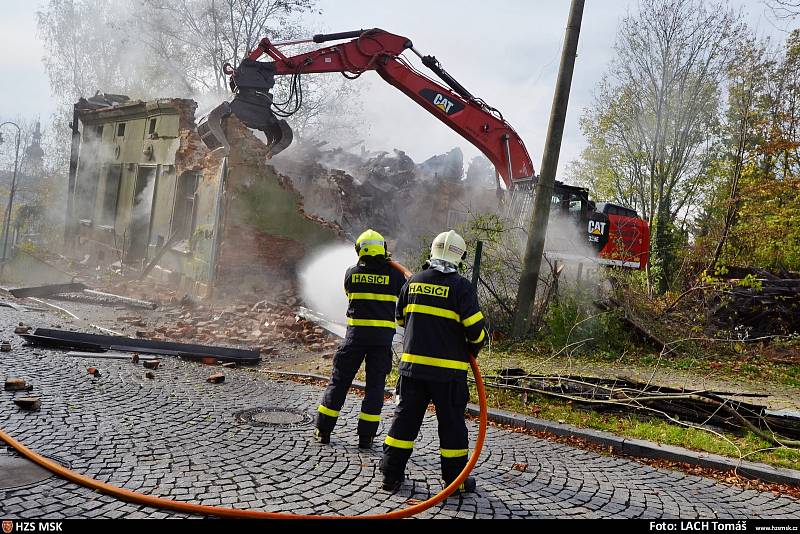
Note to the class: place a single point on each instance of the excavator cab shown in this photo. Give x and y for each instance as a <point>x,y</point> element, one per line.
<point>252,83</point>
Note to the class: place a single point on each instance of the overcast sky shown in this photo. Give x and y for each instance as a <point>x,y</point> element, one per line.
<point>505,52</point>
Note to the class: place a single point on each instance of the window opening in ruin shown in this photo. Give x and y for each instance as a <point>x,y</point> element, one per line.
<point>108,214</point>
<point>152,128</point>
<point>184,216</point>
<point>141,213</point>
<point>121,129</point>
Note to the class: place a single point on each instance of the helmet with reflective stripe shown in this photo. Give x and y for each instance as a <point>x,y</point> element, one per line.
<point>450,247</point>
<point>370,243</point>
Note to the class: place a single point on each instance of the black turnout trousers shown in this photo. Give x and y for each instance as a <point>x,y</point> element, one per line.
<point>346,363</point>
<point>450,400</point>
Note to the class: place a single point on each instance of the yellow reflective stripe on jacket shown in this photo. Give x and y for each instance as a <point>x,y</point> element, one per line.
<point>369,417</point>
<point>469,321</point>
<point>480,337</point>
<point>453,453</point>
<point>327,411</point>
<point>434,362</point>
<point>370,322</point>
<point>371,296</point>
<point>432,310</point>
<point>399,443</point>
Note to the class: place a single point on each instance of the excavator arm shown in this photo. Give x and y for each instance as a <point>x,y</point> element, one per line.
<point>376,50</point>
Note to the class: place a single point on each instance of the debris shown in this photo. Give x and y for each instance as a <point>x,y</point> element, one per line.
<point>229,365</point>
<point>151,364</point>
<point>28,403</point>
<point>135,358</point>
<point>520,467</point>
<point>48,290</point>
<point>5,346</point>
<point>94,371</point>
<point>150,374</point>
<point>16,384</point>
<point>107,356</point>
<point>13,306</point>
<point>174,238</point>
<point>113,333</point>
<point>720,409</point>
<point>22,328</point>
<point>126,300</point>
<point>217,378</point>
<point>83,341</point>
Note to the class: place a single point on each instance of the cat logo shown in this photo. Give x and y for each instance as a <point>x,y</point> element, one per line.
<point>445,103</point>
<point>597,227</point>
<point>8,526</point>
<point>442,103</point>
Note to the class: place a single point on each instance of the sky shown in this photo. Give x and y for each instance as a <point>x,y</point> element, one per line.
<point>505,51</point>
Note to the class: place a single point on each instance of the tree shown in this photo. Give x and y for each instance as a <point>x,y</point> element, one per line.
<point>784,9</point>
<point>157,48</point>
<point>760,217</point>
<point>656,114</point>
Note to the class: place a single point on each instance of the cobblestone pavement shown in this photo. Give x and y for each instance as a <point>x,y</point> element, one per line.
<point>178,436</point>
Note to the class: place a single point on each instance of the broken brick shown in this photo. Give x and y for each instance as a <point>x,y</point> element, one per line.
<point>151,364</point>
<point>150,374</point>
<point>22,329</point>
<point>95,372</point>
<point>28,403</point>
<point>229,365</point>
<point>15,384</point>
<point>135,358</point>
<point>217,378</point>
<point>5,346</point>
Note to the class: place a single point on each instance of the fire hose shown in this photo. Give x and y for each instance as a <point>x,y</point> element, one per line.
<point>179,506</point>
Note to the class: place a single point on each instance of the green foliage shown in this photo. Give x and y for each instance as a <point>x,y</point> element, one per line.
<point>573,322</point>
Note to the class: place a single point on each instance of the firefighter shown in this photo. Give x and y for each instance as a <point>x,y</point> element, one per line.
<point>443,326</point>
<point>372,287</point>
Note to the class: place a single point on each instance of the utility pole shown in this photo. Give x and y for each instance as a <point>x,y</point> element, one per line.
<point>537,228</point>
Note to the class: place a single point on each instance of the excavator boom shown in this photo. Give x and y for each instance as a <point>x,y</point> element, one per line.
<point>252,82</point>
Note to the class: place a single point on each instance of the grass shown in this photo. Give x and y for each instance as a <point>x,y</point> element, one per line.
<point>745,445</point>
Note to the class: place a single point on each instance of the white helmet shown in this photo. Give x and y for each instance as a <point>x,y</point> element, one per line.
<point>450,247</point>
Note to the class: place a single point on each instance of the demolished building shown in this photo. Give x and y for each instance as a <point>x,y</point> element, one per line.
<point>146,188</point>
<point>146,194</point>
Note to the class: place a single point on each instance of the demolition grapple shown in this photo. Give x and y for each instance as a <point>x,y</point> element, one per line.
<point>252,104</point>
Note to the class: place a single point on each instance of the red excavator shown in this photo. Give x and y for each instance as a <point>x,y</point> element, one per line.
<point>617,233</point>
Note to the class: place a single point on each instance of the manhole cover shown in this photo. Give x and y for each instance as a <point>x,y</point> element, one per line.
<point>273,417</point>
<point>17,472</point>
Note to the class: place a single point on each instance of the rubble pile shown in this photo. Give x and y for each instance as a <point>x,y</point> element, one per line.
<point>264,324</point>
<point>388,190</point>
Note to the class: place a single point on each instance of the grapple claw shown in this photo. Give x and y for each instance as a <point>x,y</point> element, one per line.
<point>253,106</point>
<point>210,128</point>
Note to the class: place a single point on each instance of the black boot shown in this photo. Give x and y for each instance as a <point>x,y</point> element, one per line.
<point>322,437</point>
<point>468,486</point>
<point>365,441</point>
<point>391,484</point>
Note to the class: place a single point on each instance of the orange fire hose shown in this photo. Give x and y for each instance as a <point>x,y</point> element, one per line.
<point>159,502</point>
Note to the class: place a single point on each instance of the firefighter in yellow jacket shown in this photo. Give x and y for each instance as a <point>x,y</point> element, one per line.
<point>372,287</point>
<point>443,326</point>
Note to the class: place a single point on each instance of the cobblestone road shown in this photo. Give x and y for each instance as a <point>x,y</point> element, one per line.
<point>178,437</point>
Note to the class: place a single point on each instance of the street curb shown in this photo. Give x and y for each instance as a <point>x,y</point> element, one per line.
<point>645,449</point>
<point>626,446</point>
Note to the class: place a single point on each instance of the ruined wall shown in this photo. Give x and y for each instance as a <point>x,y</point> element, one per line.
<point>267,233</point>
